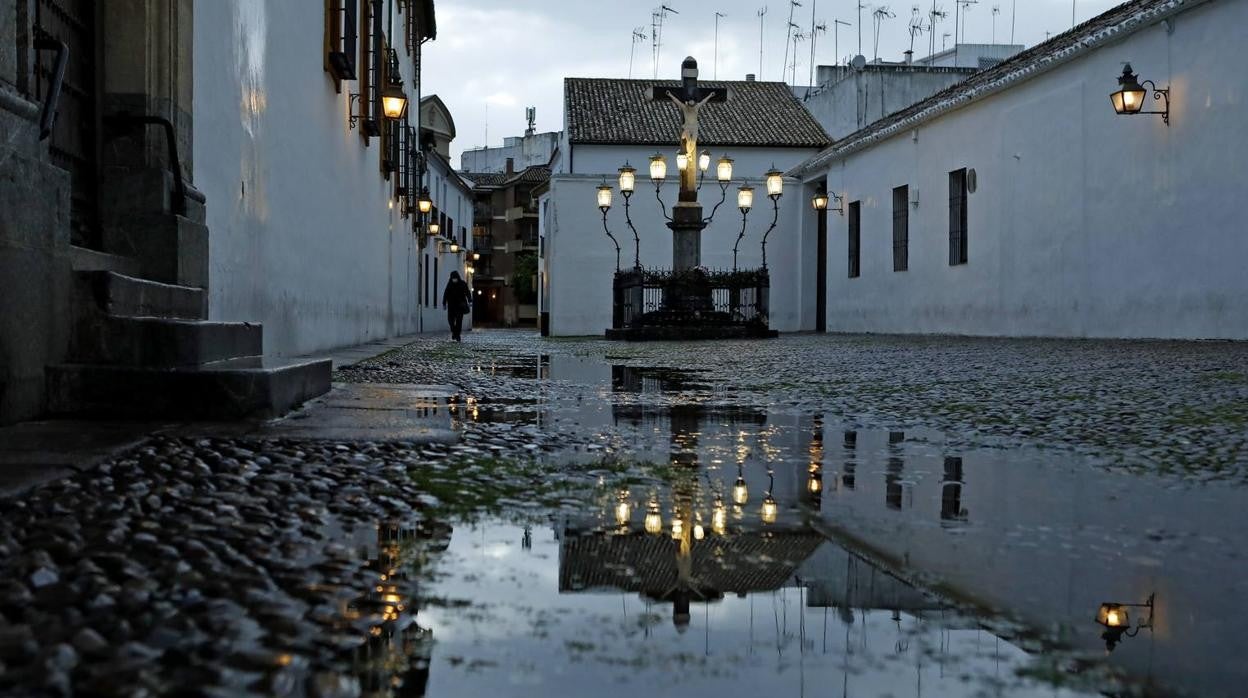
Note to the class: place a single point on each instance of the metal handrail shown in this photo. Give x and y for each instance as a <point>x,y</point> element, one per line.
<point>46,42</point>
<point>171,141</point>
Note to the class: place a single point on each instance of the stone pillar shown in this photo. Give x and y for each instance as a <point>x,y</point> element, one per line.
<point>34,234</point>
<point>686,229</point>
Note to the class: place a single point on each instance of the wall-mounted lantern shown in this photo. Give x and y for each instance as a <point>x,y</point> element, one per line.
<point>394,102</point>
<point>822,198</point>
<point>476,256</point>
<point>454,248</point>
<point>1116,619</point>
<point>1128,99</point>
<point>434,229</point>
<point>424,204</point>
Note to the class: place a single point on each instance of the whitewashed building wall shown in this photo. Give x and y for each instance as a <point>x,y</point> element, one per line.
<point>1084,223</point>
<point>303,236</point>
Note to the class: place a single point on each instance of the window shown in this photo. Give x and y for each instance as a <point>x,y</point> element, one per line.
<point>957,217</point>
<point>901,228</point>
<point>424,274</point>
<point>340,38</point>
<point>855,239</point>
<point>369,69</point>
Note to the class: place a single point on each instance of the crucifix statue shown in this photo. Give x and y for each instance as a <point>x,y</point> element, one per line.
<point>690,99</point>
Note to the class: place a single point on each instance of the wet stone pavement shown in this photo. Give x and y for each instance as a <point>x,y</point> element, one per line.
<point>512,516</point>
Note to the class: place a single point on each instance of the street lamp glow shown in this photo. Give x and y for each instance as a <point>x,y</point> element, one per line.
<point>723,170</point>
<point>623,509</point>
<point>654,518</point>
<point>604,197</point>
<point>1129,98</point>
<point>682,161</point>
<point>658,167</point>
<point>476,256</point>
<point>704,161</point>
<point>678,527</point>
<point>719,517</point>
<point>820,200</point>
<point>424,203</point>
<point>454,248</point>
<point>628,178</point>
<point>775,183</point>
<point>393,102</point>
<point>745,198</point>
<point>740,493</point>
<point>770,509</point>
<point>434,228</point>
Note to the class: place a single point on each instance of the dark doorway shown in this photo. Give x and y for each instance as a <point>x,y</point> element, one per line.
<point>74,144</point>
<point>821,274</point>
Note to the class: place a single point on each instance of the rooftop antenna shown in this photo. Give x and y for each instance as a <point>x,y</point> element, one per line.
<point>860,6</point>
<point>788,33</point>
<point>815,31</point>
<point>916,26</point>
<point>944,40</point>
<point>879,15</point>
<point>487,124</point>
<point>718,15</point>
<point>966,7</point>
<point>639,35</point>
<point>937,14</point>
<point>836,37</point>
<point>530,115</point>
<point>661,13</point>
<point>1013,12</point>
<point>996,10</point>
<point>1072,12</point>
<point>798,35</point>
<point>762,12</point>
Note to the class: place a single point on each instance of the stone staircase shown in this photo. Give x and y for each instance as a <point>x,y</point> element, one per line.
<point>144,349</point>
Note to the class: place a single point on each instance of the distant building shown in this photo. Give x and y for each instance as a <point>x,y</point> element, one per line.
<point>1017,202</point>
<point>609,123</point>
<point>529,150</point>
<point>848,99</point>
<point>504,234</point>
<point>974,56</point>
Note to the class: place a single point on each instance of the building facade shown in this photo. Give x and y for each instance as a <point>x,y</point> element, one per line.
<point>1019,203</point>
<point>611,123</point>
<point>529,150</point>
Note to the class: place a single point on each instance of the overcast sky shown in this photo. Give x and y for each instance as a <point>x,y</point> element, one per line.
<point>497,57</point>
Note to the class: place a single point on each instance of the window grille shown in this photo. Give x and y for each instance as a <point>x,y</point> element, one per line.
<point>901,228</point>
<point>342,16</point>
<point>855,239</point>
<point>957,217</point>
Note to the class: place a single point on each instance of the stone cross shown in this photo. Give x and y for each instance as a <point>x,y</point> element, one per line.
<point>690,98</point>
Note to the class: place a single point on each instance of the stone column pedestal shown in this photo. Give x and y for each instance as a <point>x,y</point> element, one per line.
<point>686,228</point>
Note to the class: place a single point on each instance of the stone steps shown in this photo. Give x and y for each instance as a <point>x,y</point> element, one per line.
<point>122,295</point>
<point>162,342</point>
<point>234,389</point>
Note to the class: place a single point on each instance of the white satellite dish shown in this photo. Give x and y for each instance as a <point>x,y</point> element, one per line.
<point>858,62</point>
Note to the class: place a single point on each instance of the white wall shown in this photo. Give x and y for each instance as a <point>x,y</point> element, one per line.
<point>450,196</point>
<point>1084,223</point>
<point>580,260</point>
<point>302,235</point>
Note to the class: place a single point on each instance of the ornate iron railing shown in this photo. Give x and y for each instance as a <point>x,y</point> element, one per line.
<point>664,298</point>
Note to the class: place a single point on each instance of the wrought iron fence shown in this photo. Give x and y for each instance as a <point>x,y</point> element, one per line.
<point>661,297</point>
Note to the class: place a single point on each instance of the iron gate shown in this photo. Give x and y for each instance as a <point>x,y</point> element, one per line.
<point>74,142</point>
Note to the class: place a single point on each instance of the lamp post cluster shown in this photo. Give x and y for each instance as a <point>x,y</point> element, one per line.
<point>627,182</point>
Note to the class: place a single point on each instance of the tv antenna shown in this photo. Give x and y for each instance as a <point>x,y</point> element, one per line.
<point>966,7</point>
<point>815,31</point>
<point>996,10</point>
<point>1013,12</point>
<point>836,37</point>
<point>936,15</point>
<point>762,12</point>
<point>879,15</point>
<point>639,35</point>
<point>798,35</point>
<point>656,33</point>
<point>861,5</point>
<point>718,15</point>
<point>916,26</point>
<point>788,34</point>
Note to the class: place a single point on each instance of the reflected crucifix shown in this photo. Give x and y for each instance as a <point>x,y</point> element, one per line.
<point>690,99</point>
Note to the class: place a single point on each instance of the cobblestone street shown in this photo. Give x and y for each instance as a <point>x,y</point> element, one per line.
<point>514,516</point>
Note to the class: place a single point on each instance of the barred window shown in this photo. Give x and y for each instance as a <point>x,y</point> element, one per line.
<point>901,228</point>
<point>341,17</point>
<point>957,217</point>
<point>855,239</point>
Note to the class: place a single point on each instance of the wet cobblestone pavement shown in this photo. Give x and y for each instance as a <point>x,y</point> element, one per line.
<point>808,516</point>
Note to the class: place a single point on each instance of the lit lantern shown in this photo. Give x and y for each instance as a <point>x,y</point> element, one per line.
<point>628,178</point>
<point>820,200</point>
<point>469,269</point>
<point>434,228</point>
<point>658,167</point>
<point>1113,615</point>
<point>719,517</point>
<point>770,509</point>
<point>454,248</point>
<point>476,256</point>
<point>775,183</point>
<point>704,161</point>
<point>393,102</point>
<point>740,493</point>
<point>698,532</point>
<point>723,170</point>
<point>654,518</point>
<point>814,484</point>
<point>682,161</point>
<point>604,197</point>
<point>745,198</point>
<point>1129,97</point>
<point>424,204</point>
<point>623,509</point>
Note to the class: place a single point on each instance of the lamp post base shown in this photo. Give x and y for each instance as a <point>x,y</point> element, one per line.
<point>686,226</point>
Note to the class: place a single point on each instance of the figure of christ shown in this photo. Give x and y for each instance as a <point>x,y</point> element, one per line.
<point>689,138</point>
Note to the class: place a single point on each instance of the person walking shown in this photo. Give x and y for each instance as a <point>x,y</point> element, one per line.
<point>456,300</point>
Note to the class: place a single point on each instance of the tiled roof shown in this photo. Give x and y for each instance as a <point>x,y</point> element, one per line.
<point>535,174</point>
<point>618,112</point>
<point>530,175</point>
<point>1113,25</point>
<point>484,179</point>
